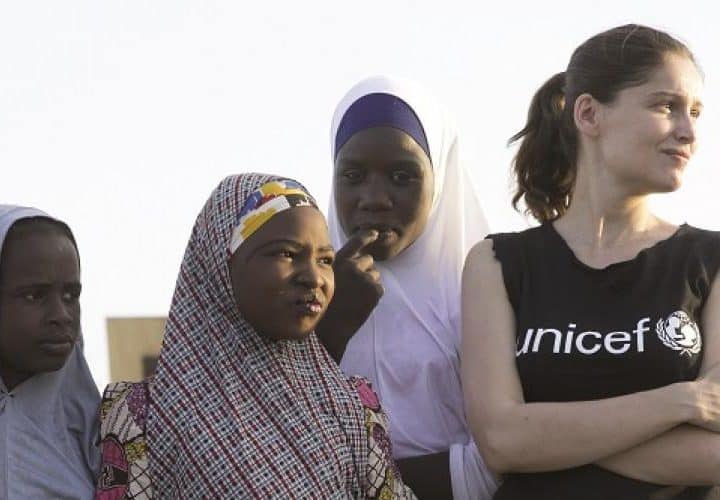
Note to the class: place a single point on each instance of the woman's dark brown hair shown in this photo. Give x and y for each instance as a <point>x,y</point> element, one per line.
<point>545,163</point>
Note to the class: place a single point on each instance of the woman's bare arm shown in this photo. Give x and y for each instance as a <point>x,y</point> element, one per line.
<point>687,455</point>
<point>515,436</point>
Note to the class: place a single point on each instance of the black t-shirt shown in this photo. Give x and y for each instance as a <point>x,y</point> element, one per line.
<point>585,333</point>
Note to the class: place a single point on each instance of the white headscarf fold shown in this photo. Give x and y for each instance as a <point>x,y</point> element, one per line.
<point>48,423</point>
<point>409,346</point>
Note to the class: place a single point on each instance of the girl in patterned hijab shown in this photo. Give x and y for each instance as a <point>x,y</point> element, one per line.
<point>245,402</point>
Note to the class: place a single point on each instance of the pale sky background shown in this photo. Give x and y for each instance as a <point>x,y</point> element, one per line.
<point>120,117</point>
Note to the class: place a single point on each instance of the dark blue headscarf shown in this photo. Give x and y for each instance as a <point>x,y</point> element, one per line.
<point>380,110</point>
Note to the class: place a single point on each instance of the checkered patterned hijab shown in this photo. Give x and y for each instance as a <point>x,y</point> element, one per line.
<point>232,414</point>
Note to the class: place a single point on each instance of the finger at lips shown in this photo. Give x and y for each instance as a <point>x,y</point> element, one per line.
<point>357,243</point>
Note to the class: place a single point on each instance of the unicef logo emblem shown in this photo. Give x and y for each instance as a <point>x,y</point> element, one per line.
<point>680,333</point>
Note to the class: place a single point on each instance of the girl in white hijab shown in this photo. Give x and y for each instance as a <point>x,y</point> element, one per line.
<point>48,400</point>
<point>405,209</point>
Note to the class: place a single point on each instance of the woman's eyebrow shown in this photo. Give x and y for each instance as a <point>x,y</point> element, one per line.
<point>675,95</point>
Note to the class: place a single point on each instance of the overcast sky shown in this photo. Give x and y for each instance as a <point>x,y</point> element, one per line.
<point>120,117</point>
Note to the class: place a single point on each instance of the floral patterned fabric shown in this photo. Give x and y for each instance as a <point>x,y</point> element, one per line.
<point>383,477</point>
<point>124,473</point>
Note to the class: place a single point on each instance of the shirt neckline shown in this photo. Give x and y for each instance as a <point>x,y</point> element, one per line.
<point>550,229</point>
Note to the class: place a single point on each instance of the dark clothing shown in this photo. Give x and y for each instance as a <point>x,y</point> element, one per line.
<point>585,333</point>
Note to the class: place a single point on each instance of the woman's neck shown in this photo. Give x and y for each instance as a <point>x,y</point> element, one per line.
<point>605,224</point>
<point>602,212</point>
<point>600,223</point>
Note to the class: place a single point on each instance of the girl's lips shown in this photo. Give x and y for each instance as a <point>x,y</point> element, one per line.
<point>380,228</point>
<point>58,338</point>
<point>386,233</point>
<point>56,346</point>
<point>310,304</point>
<point>312,308</point>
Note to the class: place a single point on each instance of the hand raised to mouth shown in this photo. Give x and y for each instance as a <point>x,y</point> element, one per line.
<point>357,292</point>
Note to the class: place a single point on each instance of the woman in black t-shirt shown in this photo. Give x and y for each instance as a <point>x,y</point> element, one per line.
<point>591,344</point>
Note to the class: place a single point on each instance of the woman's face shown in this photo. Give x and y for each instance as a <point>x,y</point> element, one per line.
<point>383,181</point>
<point>282,275</point>
<point>39,302</point>
<point>648,132</point>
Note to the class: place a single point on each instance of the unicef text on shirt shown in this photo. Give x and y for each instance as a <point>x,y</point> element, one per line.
<point>586,342</point>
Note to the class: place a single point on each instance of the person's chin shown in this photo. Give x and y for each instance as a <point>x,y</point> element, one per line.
<point>298,335</point>
<point>671,182</point>
<point>664,180</point>
<point>381,251</point>
<point>675,170</point>
<point>301,329</point>
<point>49,364</point>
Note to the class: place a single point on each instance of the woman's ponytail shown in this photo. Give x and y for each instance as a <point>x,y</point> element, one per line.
<point>544,165</point>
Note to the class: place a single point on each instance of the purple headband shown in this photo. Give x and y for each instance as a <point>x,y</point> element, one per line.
<point>380,110</point>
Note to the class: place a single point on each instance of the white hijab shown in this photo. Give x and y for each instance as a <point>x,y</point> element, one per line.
<point>409,346</point>
<point>48,423</point>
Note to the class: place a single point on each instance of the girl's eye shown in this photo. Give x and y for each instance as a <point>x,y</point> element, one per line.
<point>71,296</point>
<point>695,112</point>
<point>32,296</point>
<point>328,261</point>
<point>352,175</point>
<point>668,106</point>
<point>401,176</point>
<point>285,254</point>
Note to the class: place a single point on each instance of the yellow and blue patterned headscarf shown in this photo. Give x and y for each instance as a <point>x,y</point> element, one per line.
<point>233,414</point>
<point>268,200</point>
